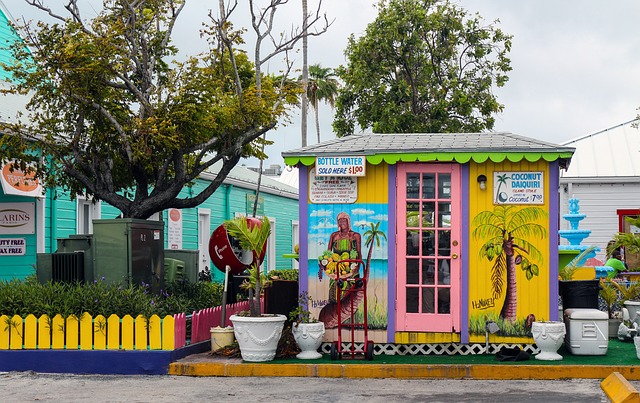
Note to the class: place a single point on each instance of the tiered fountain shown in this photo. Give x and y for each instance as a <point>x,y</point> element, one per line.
<point>578,293</point>
<point>575,236</point>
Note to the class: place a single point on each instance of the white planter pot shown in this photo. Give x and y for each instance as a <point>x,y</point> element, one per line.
<point>309,338</point>
<point>258,336</point>
<point>636,341</point>
<point>633,307</point>
<point>221,337</point>
<point>548,336</point>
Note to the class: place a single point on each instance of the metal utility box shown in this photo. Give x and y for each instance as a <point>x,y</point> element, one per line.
<point>173,270</point>
<point>78,243</point>
<point>190,259</point>
<point>43,267</point>
<point>129,251</point>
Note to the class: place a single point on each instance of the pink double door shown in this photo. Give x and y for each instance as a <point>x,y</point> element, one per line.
<point>428,247</point>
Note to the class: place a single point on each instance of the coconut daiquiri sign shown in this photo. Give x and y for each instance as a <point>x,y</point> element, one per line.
<point>518,187</point>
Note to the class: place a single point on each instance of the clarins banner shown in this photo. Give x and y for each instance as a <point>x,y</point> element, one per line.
<point>17,218</point>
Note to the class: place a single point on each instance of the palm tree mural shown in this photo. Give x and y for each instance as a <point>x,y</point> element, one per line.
<point>322,86</point>
<point>329,313</point>
<point>506,232</point>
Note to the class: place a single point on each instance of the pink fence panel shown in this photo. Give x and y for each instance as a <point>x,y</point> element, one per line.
<point>180,330</point>
<point>202,321</point>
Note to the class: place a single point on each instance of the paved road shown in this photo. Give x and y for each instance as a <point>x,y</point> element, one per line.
<point>28,386</point>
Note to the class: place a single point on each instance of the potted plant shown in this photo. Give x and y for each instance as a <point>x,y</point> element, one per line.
<point>257,334</point>
<point>578,293</point>
<point>627,294</point>
<point>609,294</point>
<point>306,329</point>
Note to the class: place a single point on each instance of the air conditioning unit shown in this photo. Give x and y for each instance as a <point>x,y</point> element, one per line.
<point>67,267</point>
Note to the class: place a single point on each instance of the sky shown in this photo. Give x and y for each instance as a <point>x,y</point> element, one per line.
<point>575,62</point>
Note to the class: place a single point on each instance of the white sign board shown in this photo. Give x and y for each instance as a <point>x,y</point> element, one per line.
<point>332,189</point>
<point>518,187</point>
<point>17,218</point>
<point>16,182</point>
<point>12,246</point>
<point>174,230</point>
<point>340,166</point>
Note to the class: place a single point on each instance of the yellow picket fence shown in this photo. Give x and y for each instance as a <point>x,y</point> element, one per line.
<point>86,333</point>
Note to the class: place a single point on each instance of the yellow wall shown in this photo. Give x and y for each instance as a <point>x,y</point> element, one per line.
<point>373,187</point>
<point>370,207</point>
<point>532,294</point>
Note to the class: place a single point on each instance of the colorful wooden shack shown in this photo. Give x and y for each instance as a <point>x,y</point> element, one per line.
<point>455,231</point>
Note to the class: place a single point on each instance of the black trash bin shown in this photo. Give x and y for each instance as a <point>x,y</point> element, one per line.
<point>579,293</point>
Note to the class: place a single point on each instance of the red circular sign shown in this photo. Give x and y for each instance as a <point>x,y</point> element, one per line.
<point>174,214</point>
<point>225,250</point>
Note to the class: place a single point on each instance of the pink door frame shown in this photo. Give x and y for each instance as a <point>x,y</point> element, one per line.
<point>430,322</point>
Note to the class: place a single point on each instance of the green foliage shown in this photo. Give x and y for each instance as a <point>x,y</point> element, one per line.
<point>566,273</point>
<point>252,238</point>
<point>117,120</point>
<point>627,290</point>
<point>629,242</point>
<point>423,66</point>
<point>517,328</point>
<point>322,86</point>
<point>284,274</point>
<point>609,294</point>
<point>301,314</point>
<point>99,298</point>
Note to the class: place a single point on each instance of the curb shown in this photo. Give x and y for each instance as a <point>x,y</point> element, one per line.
<point>618,389</point>
<point>404,371</point>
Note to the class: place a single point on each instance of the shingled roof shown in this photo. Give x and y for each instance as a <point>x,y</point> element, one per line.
<point>459,147</point>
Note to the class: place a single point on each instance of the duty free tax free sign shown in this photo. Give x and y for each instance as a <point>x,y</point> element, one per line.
<point>340,166</point>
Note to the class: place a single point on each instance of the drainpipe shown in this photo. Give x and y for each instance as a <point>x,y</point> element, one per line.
<point>53,217</point>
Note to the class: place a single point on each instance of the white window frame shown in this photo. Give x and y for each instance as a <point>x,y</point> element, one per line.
<point>204,234</point>
<point>94,212</point>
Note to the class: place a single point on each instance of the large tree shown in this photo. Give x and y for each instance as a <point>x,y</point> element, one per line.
<point>112,116</point>
<point>422,66</point>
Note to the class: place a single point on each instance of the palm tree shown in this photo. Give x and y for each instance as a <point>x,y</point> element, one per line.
<point>372,235</point>
<point>506,234</point>
<point>322,86</point>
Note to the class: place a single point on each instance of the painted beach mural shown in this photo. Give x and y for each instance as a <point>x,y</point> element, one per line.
<point>347,242</point>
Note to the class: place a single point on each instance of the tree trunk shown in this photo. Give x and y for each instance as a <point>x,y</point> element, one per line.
<point>317,123</point>
<point>509,309</point>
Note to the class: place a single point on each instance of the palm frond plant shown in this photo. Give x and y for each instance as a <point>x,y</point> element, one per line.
<point>253,237</point>
<point>566,273</point>
<point>628,290</point>
<point>609,294</point>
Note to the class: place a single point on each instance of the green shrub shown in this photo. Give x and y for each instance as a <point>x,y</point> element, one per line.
<point>100,298</point>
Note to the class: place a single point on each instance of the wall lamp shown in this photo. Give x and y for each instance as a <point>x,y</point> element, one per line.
<point>482,181</point>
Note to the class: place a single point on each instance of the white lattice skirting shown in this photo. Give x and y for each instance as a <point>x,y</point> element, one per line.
<point>432,349</point>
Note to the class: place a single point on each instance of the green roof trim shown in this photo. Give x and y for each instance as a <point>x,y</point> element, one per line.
<point>461,157</point>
